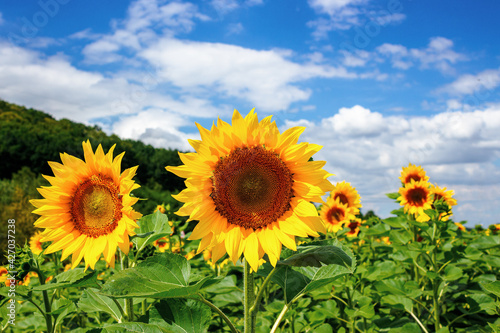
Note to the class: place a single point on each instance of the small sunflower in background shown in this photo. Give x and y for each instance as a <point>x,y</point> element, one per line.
<point>347,195</point>
<point>250,187</point>
<point>353,226</point>
<point>87,212</point>
<point>35,243</point>
<point>413,172</point>
<point>336,214</point>
<point>416,198</point>
<point>439,193</point>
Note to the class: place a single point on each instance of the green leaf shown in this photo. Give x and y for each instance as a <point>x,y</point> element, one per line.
<point>400,236</point>
<point>317,256</point>
<point>161,276</point>
<point>393,196</point>
<point>131,328</point>
<point>493,287</point>
<point>73,278</point>
<point>398,301</point>
<point>180,315</point>
<point>452,273</point>
<point>91,301</point>
<point>378,229</point>
<point>396,222</point>
<point>153,227</point>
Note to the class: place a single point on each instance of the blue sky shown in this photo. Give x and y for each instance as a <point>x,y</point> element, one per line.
<point>379,84</point>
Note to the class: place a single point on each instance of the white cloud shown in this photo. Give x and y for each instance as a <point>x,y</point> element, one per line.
<point>144,18</point>
<point>345,14</point>
<point>54,85</point>
<point>234,29</point>
<point>469,84</point>
<point>157,127</point>
<point>265,78</point>
<point>331,7</point>
<point>438,54</point>
<point>224,6</point>
<point>368,149</point>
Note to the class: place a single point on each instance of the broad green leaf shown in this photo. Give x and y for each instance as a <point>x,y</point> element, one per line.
<point>378,230</point>
<point>452,273</point>
<point>317,256</point>
<point>406,328</point>
<point>160,276</point>
<point>153,227</point>
<point>481,302</point>
<point>323,276</point>
<point>62,307</point>
<point>181,315</point>
<point>131,328</point>
<point>392,286</point>
<point>486,242</point>
<point>400,236</point>
<point>398,301</point>
<point>396,222</point>
<point>493,287</point>
<point>91,301</point>
<point>73,278</point>
<point>291,281</point>
<point>394,195</point>
<point>325,328</point>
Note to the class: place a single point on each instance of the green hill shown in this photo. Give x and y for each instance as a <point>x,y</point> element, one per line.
<point>29,138</point>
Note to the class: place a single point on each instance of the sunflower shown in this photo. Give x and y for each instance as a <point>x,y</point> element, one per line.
<point>88,209</point>
<point>336,214</point>
<point>460,226</point>
<point>416,197</point>
<point>251,188</point>
<point>347,195</point>
<point>3,274</point>
<point>35,244</point>
<point>439,193</point>
<point>413,172</point>
<point>353,226</point>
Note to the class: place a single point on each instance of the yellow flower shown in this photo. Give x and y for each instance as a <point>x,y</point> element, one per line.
<point>445,195</point>
<point>3,274</point>
<point>161,209</point>
<point>88,209</point>
<point>416,197</point>
<point>413,172</point>
<point>207,256</point>
<point>347,195</point>
<point>385,240</point>
<point>354,227</point>
<point>251,188</point>
<point>163,245</point>
<point>336,214</point>
<point>460,226</point>
<point>35,244</point>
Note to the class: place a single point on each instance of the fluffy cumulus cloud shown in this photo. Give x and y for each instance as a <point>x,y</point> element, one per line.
<point>458,149</point>
<point>144,18</point>
<point>266,78</point>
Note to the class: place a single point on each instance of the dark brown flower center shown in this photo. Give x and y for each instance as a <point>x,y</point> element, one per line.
<point>414,176</point>
<point>335,215</point>
<point>417,196</point>
<point>342,198</point>
<point>252,187</point>
<point>96,206</point>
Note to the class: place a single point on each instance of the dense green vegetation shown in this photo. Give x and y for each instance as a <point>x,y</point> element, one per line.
<point>29,138</point>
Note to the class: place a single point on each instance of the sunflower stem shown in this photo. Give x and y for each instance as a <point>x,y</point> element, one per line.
<point>249,298</point>
<point>255,307</point>
<point>129,302</point>
<point>280,317</point>
<point>219,311</point>
<point>46,301</point>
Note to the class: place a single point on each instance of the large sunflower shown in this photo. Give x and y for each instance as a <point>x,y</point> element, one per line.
<point>251,188</point>
<point>88,209</point>
<point>413,172</point>
<point>336,214</point>
<point>416,198</point>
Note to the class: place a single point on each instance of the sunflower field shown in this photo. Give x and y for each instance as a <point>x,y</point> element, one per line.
<point>244,249</point>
